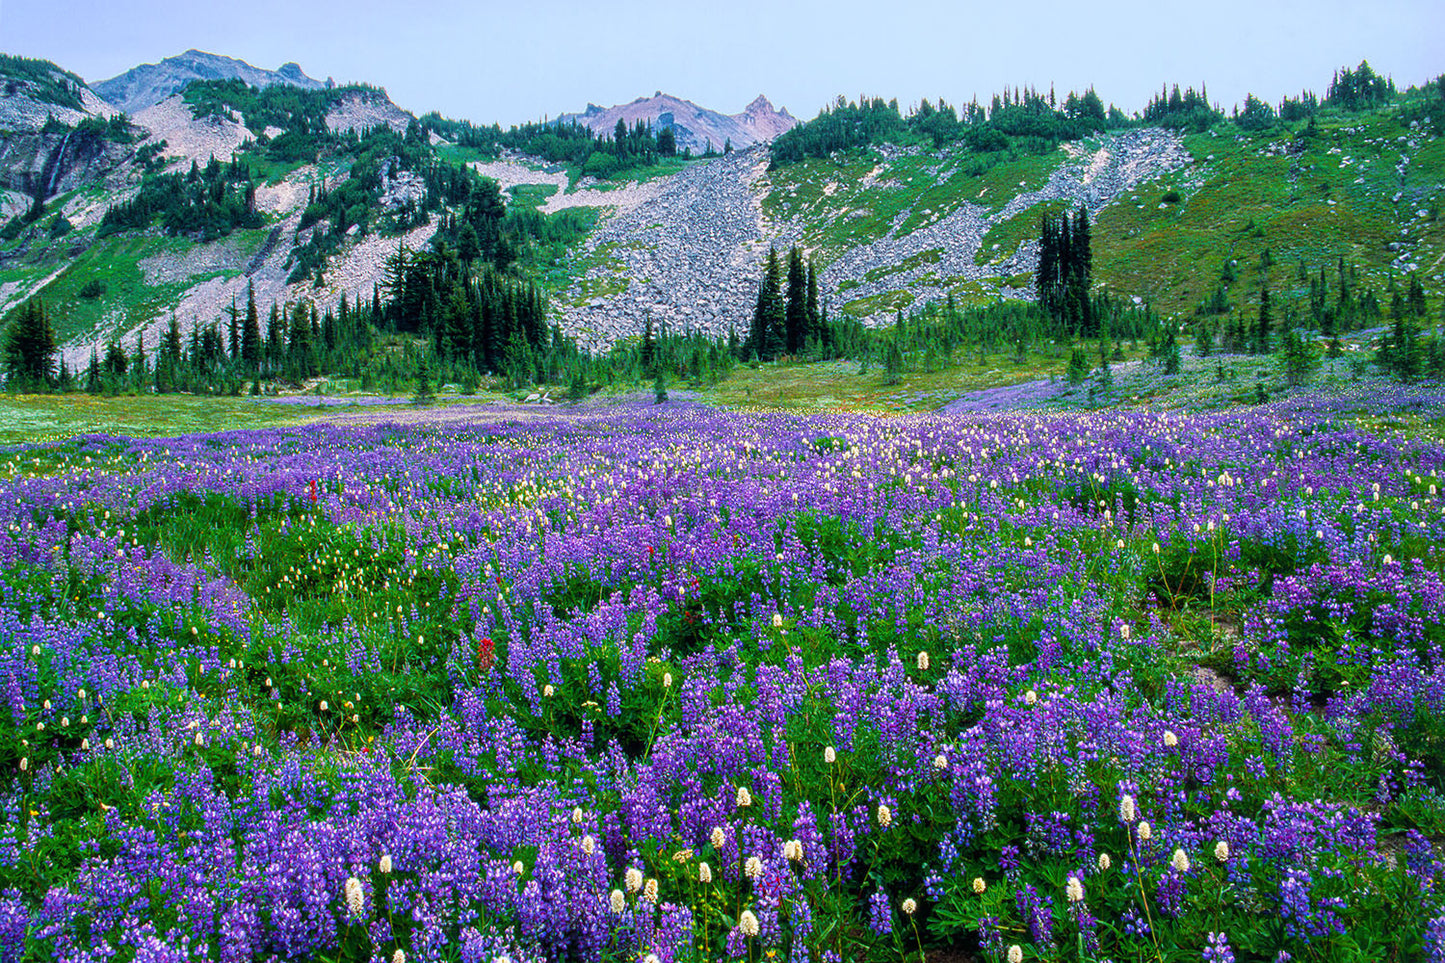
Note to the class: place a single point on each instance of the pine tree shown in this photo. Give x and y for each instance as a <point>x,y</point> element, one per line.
<point>168,365</point>
<point>815,321</point>
<point>425,391</point>
<point>252,333</point>
<point>235,330</point>
<point>767,337</point>
<point>30,347</point>
<point>795,321</point>
<point>1298,357</point>
<point>1081,270</point>
<point>649,344</point>
<point>1262,331</point>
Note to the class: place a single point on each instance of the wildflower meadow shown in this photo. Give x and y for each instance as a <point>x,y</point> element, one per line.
<point>666,683</point>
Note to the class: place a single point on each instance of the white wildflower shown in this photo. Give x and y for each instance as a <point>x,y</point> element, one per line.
<point>355,897</point>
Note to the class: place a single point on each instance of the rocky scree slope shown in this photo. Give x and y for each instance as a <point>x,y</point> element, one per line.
<point>691,254</point>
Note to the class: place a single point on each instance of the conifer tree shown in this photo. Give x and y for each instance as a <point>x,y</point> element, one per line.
<point>30,347</point>
<point>235,330</point>
<point>815,321</point>
<point>1262,331</point>
<point>796,312</point>
<point>251,333</point>
<point>425,391</point>
<point>767,337</point>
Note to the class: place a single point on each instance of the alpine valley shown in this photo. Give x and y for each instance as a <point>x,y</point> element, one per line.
<point>186,192</point>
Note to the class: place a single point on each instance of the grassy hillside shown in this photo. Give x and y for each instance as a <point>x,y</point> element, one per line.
<point>1366,187</point>
<point>1311,199</point>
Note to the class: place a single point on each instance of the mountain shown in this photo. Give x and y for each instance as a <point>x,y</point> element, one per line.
<point>314,192</point>
<point>149,84</point>
<point>34,91</point>
<point>694,127</point>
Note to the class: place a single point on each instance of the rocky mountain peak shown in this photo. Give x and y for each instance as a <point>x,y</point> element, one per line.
<point>695,127</point>
<point>149,84</point>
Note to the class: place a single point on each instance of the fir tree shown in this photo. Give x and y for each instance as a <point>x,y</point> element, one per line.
<point>425,391</point>
<point>235,330</point>
<point>796,311</point>
<point>1298,358</point>
<point>1262,330</point>
<point>815,321</point>
<point>767,338</point>
<point>30,347</point>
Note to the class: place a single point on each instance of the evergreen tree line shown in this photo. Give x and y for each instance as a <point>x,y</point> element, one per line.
<point>46,87</point>
<point>572,143</point>
<point>790,323</point>
<point>298,113</point>
<point>1324,314</point>
<point>1024,121</point>
<point>1064,273</point>
<point>204,203</point>
<point>1029,121</point>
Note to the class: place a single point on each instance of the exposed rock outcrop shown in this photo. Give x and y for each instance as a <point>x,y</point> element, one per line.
<point>25,107</point>
<point>690,255</point>
<point>694,127</point>
<point>149,84</point>
<point>51,164</point>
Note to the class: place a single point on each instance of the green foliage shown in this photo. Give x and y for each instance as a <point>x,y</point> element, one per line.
<point>206,204</point>
<point>1187,111</point>
<point>573,143</point>
<point>299,113</point>
<point>1299,358</point>
<point>30,347</point>
<point>51,84</point>
<point>425,392</point>
<point>1359,89</point>
<point>1029,122</point>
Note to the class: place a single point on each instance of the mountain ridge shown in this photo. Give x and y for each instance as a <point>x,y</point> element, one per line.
<point>146,85</point>
<point>695,127</point>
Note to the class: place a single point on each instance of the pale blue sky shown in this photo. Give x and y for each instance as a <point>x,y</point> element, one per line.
<point>518,60</point>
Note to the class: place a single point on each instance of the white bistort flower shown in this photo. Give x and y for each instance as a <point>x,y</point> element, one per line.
<point>355,897</point>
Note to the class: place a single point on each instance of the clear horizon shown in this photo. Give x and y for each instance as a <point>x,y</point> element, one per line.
<point>491,62</point>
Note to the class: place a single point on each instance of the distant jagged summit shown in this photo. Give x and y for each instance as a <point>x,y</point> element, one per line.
<point>149,84</point>
<point>694,127</point>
